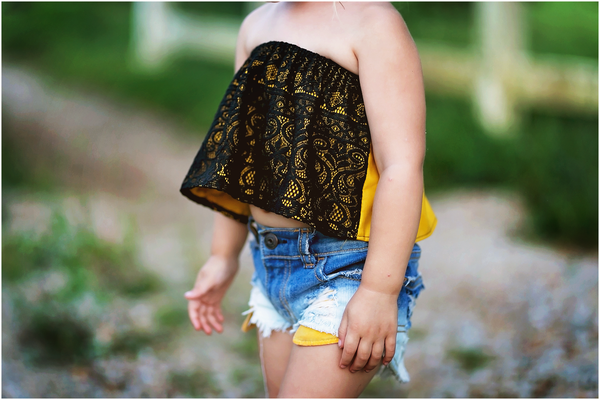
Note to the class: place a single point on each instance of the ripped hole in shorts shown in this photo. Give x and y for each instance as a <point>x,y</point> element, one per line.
<point>321,312</point>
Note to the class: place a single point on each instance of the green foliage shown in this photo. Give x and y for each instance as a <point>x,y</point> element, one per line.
<point>249,379</point>
<point>563,27</point>
<point>43,28</point>
<point>444,22</point>
<point>216,8</point>
<point>551,160</point>
<point>88,45</point>
<point>172,316</point>
<point>559,177</point>
<point>417,334</point>
<point>248,375</point>
<point>199,383</point>
<point>52,335</point>
<point>89,262</point>
<point>131,342</point>
<point>52,274</point>
<point>470,359</point>
<point>459,153</point>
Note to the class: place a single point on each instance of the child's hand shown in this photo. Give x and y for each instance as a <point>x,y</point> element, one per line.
<point>213,280</point>
<point>368,327</point>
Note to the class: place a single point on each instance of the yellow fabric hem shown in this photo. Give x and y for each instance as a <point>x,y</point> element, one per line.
<point>222,199</point>
<point>246,325</point>
<point>306,336</point>
<point>429,233</point>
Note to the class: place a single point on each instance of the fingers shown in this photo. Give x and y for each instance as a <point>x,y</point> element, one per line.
<point>349,350</point>
<point>212,318</point>
<point>193,312</point>
<point>376,354</point>
<point>390,349</point>
<point>204,320</point>
<point>363,354</point>
<point>219,314</point>
<point>205,317</point>
<point>342,331</point>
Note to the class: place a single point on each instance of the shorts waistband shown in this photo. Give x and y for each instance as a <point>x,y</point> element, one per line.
<point>300,241</point>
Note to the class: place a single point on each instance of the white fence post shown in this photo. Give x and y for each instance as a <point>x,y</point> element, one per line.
<point>150,34</point>
<point>500,36</point>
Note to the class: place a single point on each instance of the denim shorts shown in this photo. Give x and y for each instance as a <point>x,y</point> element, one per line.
<point>304,279</point>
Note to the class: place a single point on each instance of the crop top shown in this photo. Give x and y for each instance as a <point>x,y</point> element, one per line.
<point>291,137</point>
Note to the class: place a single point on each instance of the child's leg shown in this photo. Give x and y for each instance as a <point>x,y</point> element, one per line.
<point>274,356</point>
<point>313,371</point>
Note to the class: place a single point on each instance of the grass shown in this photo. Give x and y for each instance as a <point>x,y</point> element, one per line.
<point>470,359</point>
<point>62,283</point>
<point>249,379</point>
<point>199,383</point>
<point>172,317</point>
<point>131,342</point>
<point>89,262</point>
<point>51,335</point>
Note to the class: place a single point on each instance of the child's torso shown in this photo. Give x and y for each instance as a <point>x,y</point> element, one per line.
<point>313,26</point>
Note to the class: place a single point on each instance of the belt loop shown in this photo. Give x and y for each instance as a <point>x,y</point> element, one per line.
<point>307,256</point>
<point>304,233</point>
<point>252,228</point>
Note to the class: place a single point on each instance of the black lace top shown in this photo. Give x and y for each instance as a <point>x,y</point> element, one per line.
<point>291,137</point>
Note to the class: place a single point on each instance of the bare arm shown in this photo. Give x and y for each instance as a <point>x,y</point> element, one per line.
<point>228,237</point>
<point>218,272</point>
<point>392,85</point>
<point>395,103</point>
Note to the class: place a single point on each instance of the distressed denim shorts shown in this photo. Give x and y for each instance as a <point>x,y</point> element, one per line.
<point>303,281</point>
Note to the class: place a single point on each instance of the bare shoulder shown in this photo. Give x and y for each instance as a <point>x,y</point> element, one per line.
<point>381,25</point>
<point>250,25</point>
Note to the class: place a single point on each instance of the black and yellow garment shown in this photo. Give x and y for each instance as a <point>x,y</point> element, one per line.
<point>291,137</point>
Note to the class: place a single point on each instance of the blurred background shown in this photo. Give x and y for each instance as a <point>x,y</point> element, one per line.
<point>104,106</point>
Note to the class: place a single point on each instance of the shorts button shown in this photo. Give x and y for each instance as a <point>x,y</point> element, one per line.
<point>271,241</point>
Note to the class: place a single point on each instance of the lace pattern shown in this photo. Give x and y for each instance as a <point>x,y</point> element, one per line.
<point>291,137</point>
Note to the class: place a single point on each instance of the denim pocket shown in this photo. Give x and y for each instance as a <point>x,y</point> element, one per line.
<point>342,265</point>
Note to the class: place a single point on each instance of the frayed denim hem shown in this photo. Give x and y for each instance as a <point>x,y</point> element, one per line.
<point>396,368</point>
<point>264,316</point>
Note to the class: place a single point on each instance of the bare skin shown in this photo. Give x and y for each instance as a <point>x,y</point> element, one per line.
<point>371,40</point>
<point>274,357</point>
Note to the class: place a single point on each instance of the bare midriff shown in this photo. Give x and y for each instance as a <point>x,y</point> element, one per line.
<point>273,220</point>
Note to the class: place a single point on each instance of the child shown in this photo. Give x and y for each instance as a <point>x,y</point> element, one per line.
<point>334,203</point>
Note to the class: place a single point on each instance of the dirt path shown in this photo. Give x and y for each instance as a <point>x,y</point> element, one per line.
<point>499,317</point>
